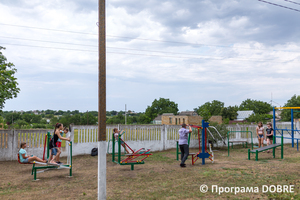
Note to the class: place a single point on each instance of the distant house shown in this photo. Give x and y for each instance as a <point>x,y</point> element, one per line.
<point>157,120</point>
<point>186,117</point>
<point>242,116</point>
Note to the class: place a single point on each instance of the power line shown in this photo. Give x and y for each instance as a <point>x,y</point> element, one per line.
<point>130,49</point>
<point>143,39</point>
<point>48,29</point>
<point>292,2</point>
<point>14,38</point>
<point>26,39</point>
<point>279,5</point>
<point>164,56</point>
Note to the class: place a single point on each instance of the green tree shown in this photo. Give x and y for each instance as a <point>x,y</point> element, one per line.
<point>259,118</point>
<point>88,119</point>
<point>259,107</point>
<point>47,112</point>
<point>60,112</point>
<point>31,118</point>
<point>53,121</point>
<point>66,120</point>
<point>293,102</point>
<point>12,117</point>
<point>76,119</point>
<point>159,107</point>
<point>229,113</point>
<point>20,124</point>
<point>113,112</point>
<point>8,83</point>
<point>209,109</point>
<point>2,123</point>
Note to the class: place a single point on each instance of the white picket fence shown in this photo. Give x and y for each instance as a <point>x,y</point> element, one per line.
<point>154,137</point>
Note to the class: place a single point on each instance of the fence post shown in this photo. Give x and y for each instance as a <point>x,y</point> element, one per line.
<point>163,136</point>
<point>12,143</point>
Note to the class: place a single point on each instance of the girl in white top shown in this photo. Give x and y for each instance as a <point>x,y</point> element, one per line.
<point>260,134</point>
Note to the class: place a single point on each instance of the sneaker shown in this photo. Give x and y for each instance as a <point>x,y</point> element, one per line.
<point>182,165</point>
<point>60,163</point>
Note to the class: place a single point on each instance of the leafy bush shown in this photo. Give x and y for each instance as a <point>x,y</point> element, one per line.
<point>259,118</point>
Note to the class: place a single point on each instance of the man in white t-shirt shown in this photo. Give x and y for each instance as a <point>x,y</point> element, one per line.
<point>183,143</point>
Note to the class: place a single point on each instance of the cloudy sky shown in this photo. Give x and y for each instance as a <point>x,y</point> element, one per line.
<point>191,52</point>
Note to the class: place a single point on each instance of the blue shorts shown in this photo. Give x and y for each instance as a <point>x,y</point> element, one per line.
<point>260,136</point>
<point>54,151</point>
<point>25,161</point>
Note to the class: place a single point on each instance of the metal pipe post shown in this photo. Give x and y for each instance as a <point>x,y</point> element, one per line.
<point>119,149</point>
<point>48,141</point>
<point>203,141</point>
<point>292,120</point>
<point>70,144</point>
<point>113,148</point>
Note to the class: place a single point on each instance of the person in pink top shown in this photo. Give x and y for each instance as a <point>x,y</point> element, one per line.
<point>260,134</point>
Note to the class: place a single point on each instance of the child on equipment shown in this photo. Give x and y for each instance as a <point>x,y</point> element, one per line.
<point>116,134</point>
<point>58,144</point>
<point>260,134</point>
<point>183,143</point>
<point>269,134</point>
<point>54,150</point>
<point>26,159</point>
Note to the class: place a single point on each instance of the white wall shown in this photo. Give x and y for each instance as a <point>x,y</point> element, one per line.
<point>154,137</point>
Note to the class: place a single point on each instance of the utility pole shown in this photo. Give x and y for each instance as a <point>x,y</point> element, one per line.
<point>87,117</point>
<point>125,114</point>
<point>102,103</point>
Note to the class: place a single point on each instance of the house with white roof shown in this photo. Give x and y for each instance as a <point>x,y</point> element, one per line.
<point>243,115</point>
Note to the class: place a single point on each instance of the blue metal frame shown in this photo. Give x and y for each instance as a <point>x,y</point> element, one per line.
<point>203,154</point>
<point>292,129</point>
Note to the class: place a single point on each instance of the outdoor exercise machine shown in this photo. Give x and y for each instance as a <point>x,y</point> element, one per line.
<point>36,166</point>
<point>291,131</point>
<point>111,141</point>
<point>238,141</point>
<point>223,139</point>
<point>272,146</point>
<point>203,152</point>
<point>209,143</point>
<point>135,158</point>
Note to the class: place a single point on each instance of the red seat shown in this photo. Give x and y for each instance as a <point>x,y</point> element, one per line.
<point>20,161</point>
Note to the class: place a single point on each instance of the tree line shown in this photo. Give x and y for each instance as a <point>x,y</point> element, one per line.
<point>48,118</point>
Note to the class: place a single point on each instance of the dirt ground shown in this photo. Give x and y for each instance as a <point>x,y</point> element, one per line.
<point>159,178</point>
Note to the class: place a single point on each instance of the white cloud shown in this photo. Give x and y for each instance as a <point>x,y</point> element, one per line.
<point>244,51</point>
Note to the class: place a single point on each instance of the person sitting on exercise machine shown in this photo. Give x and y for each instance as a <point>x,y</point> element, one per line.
<point>116,134</point>
<point>27,159</point>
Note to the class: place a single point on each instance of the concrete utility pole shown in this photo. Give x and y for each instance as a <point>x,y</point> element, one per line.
<point>102,104</point>
<point>125,114</point>
<point>87,117</point>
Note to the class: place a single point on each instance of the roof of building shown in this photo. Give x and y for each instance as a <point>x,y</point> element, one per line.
<point>244,114</point>
<point>167,114</point>
<point>188,113</point>
<point>158,117</point>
